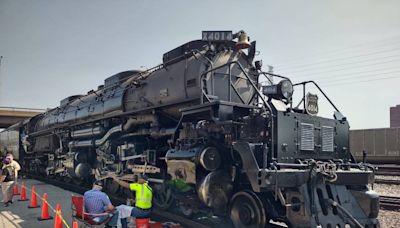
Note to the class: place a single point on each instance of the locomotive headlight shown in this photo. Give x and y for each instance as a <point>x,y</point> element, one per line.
<point>286,88</point>
<point>282,90</point>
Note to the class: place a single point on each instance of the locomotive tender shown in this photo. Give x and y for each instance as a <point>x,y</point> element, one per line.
<point>211,137</point>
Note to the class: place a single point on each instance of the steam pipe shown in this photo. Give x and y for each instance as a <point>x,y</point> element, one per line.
<point>88,132</point>
<point>112,131</point>
<point>119,128</point>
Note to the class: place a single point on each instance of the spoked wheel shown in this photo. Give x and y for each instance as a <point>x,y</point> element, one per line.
<point>163,197</point>
<point>247,210</point>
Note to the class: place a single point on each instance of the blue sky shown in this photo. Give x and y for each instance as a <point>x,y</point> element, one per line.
<point>53,49</point>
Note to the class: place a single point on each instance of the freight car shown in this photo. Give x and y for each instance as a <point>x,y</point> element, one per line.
<point>212,138</point>
<point>381,145</point>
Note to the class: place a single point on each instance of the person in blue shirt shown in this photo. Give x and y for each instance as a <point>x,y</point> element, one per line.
<point>98,203</point>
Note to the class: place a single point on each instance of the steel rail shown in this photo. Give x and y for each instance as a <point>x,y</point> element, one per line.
<point>390,202</point>
<point>387,181</point>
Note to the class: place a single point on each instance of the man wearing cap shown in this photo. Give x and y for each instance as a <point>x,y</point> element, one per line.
<point>97,203</point>
<point>144,195</point>
<point>14,164</point>
<point>7,179</point>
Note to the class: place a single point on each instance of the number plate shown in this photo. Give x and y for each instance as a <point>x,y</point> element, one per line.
<point>217,35</point>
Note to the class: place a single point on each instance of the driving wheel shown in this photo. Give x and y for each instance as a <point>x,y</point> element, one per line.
<point>163,197</point>
<point>247,210</point>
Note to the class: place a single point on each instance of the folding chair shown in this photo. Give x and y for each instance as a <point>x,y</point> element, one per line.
<point>86,219</point>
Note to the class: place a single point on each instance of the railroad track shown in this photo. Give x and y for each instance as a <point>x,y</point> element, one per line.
<point>390,202</point>
<point>156,213</point>
<point>388,170</point>
<point>386,181</point>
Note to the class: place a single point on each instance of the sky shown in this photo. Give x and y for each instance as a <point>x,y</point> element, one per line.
<point>53,49</point>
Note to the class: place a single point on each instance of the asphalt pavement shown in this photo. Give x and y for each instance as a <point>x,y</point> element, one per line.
<point>18,214</point>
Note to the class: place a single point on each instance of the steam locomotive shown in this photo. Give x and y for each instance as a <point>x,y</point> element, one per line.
<point>214,133</point>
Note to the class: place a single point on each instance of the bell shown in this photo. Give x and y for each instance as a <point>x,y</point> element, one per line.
<point>243,41</point>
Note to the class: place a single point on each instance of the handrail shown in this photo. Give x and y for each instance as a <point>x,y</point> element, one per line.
<point>275,75</point>
<point>255,89</point>
<point>304,89</point>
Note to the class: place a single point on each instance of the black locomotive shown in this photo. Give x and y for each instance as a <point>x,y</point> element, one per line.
<point>211,136</point>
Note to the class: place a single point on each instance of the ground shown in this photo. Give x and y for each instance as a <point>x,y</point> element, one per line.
<point>18,215</point>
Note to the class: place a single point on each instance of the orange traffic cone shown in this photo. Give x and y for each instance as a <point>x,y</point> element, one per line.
<point>75,224</point>
<point>58,222</point>
<point>45,209</point>
<point>15,189</point>
<point>23,192</point>
<point>33,203</point>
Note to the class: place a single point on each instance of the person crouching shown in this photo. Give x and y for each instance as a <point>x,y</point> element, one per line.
<point>7,181</point>
<point>144,195</point>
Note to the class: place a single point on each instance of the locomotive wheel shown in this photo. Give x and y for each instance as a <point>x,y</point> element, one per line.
<point>247,210</point>
<point>163,196</point>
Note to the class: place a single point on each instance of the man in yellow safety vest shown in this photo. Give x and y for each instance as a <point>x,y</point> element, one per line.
<point>144,195</point>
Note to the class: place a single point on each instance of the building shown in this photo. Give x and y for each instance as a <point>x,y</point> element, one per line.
<point>395,116</point>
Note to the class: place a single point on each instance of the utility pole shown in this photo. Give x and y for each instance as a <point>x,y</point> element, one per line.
<point>271,71</point>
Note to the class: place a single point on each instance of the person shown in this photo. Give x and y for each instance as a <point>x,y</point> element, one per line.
<point>14,164</point>
<point>98,203</point>
<point>7,181</point>
<point>143,195</point>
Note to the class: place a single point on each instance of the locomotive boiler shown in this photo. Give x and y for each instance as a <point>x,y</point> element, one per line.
<point>215,135</point>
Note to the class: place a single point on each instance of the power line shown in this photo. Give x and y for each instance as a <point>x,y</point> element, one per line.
<point>334,52</point>
<point>342,64</point>
<point>344,68</point>
<point>362,81</point>
<point>353,73</point>
<point>324,62</point>
<point>330,80</point>
<point>359,76</point>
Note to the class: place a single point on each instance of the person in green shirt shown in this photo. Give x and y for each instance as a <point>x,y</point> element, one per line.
<point>143,193</point>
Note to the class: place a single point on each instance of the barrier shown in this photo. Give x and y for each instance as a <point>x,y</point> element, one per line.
<point>33,202</point>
